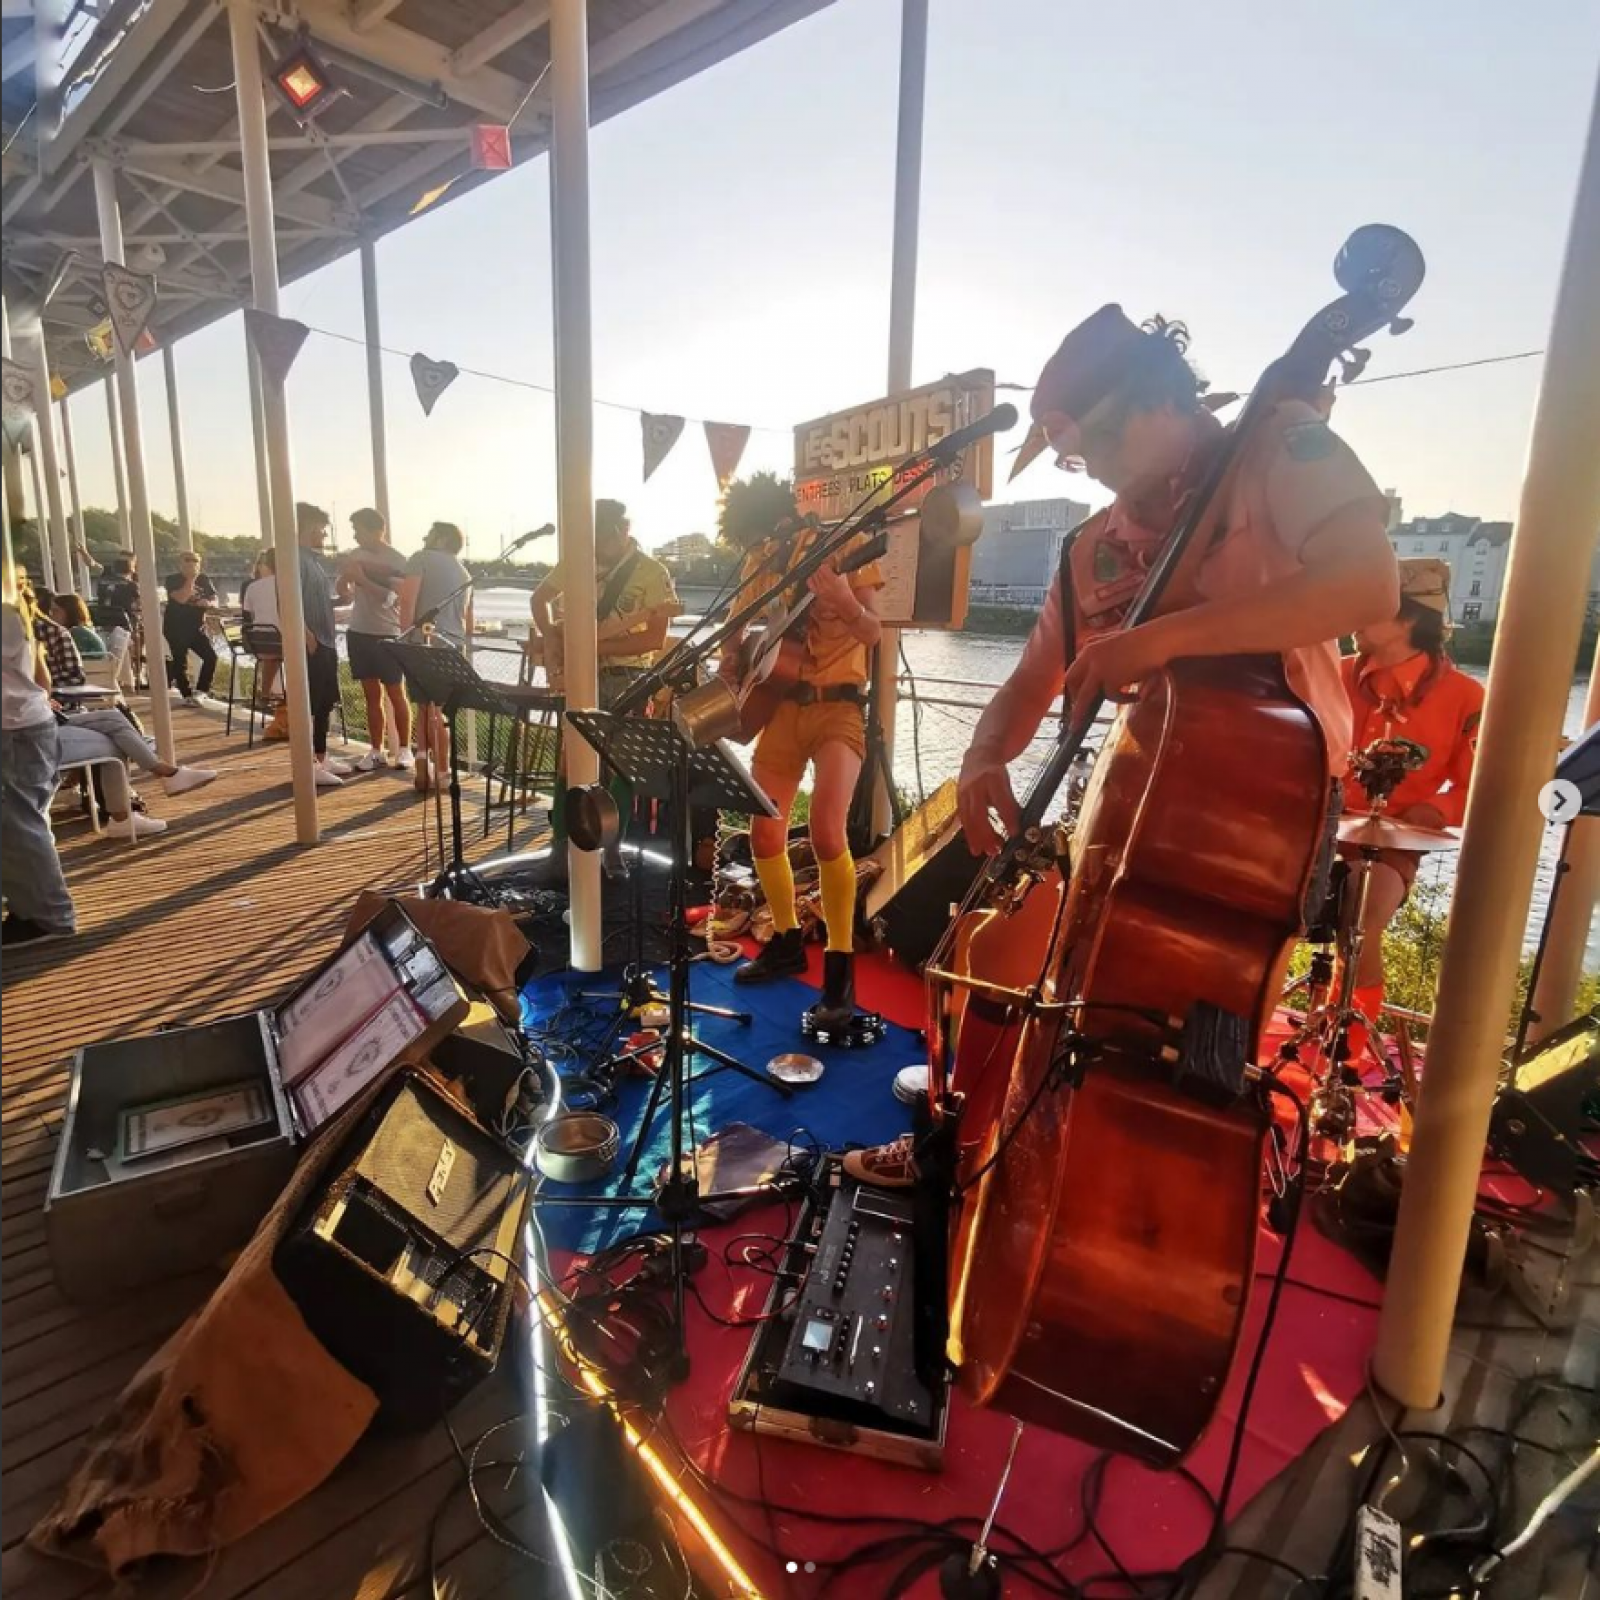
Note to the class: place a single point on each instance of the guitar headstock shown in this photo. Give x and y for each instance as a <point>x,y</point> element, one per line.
<point>1380,268</point>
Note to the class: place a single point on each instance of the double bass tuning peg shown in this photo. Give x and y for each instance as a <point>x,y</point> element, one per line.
<point>1351,366</point>
<point>1401,325</point>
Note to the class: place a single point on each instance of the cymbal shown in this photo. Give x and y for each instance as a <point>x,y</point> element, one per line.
<point>1384,833</point>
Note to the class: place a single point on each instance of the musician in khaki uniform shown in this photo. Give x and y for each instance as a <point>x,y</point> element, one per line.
<point>1297,559</point>
<point>820,725</point>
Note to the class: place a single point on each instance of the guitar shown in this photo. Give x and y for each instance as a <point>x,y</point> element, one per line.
<point>773,654</point>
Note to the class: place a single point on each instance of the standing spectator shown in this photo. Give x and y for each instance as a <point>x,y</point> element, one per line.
<point>370,578</point>
<point>191,595</point>
<point>41,906</point>
<point>437,581</point>
<point>117,595</point>
<point>322,653</point>
<point>73,615</point>
<point>263,635</point>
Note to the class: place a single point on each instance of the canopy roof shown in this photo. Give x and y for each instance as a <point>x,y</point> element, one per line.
<point>149,84</point>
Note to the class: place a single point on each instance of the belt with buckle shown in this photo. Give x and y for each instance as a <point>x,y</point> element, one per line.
<point>809,694</point>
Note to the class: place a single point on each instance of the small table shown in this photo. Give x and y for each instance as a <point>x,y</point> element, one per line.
<point>82,693</point>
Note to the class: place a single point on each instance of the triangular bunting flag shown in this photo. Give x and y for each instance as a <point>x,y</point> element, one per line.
<point>660,434</point>
<point>491,147</point>
<point>130,298</point>
<point>20,402</point>
<point>727,441</point>
<point>98,340</point>
<point>277,341</point>
<point>435,195</point>
<point>1028,451</point>
<point>432,378</point>
<point>58,387</point>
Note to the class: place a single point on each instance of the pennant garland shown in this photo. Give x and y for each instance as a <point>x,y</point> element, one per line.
<point>58,387</point>
<point>432,378</point>
<point>98,340</point>
<point>277,341</point>
<point>433,196</point>
<point>661,432</point>
<point>1028,451</point>
<point>491,147</point>
<point>130,297</point>
<point>726,441</point>
<point>20,401</point>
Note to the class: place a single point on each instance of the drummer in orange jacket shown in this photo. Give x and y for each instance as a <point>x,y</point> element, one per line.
<point>1402,685</point>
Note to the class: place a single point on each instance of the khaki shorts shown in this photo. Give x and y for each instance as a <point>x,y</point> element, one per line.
<point>791,740</point>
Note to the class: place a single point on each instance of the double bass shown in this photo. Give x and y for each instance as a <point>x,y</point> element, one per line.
<point>1096,1005</point>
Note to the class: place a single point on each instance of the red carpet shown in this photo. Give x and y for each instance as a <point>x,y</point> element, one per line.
<point>1313,1368</point>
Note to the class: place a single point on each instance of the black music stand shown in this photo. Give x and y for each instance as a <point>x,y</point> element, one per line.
<point>661,764</point>
<point>445,678</point>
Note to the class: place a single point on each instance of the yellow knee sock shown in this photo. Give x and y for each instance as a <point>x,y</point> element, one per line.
<point>777,883</point>
<point>839,901</point>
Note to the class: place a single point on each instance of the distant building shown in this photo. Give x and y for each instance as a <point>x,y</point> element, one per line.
<point>1478,553</point>
<point>1020,550</point>
<point>687,547</point>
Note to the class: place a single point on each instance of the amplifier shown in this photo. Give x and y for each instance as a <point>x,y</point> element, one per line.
<point>925,867</point>
<point>1547,1125</point>
<point>401,1262</point>
<point>835,1364</point>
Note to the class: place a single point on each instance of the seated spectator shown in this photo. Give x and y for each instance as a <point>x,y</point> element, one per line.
<point>259,602</point>
<point>96,735</point>
<point>72,612</point>
<point>60,649</point>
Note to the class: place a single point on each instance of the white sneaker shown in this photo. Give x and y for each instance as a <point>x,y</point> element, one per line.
<point>193,700</point>
<point>406,761</point>
<point>327,778</point>
<point>340,769</point>
<point>372,761</point>
<point>133,826</point>
<point>187,778</point>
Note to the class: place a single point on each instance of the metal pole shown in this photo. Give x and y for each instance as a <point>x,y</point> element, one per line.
<point>902,327</point>
<point>275,411</point>
<point>44,433</point>
<point>569,244</point>
<point>47,564</point>
<point>119,472</point>
<point>258,435</point>
<point>144,539</point>
<point>1572,915</point>
<point>80,533</point>
<point>1540,619</point>
<point>180,482</point>
<point>380,440</point>
<point>16,506</point>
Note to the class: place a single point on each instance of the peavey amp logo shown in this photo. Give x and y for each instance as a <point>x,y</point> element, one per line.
<point>442,1168</point>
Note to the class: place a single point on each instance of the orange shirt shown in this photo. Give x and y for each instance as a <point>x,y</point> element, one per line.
<point>1437,709</point>
<point>833,653</point>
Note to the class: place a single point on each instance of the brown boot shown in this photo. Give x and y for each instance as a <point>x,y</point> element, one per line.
<point>782,956</point>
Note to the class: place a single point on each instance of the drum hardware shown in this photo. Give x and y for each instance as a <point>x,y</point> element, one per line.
<point>976,1576</point>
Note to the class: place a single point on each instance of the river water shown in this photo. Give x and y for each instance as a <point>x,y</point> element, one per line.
<point>965,668</point>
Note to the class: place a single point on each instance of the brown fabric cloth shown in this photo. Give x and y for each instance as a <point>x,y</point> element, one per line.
<point>242,1412</point>
<point>483,947</point>
<point>238,1415</point>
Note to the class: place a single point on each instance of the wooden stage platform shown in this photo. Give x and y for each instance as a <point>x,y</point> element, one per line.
<point>221,914</point>
<point>217,915</point>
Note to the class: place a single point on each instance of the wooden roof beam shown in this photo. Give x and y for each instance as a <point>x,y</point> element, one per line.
<point>501,34</point>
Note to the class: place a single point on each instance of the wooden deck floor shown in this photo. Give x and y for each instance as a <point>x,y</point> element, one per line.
<point>218,915</point>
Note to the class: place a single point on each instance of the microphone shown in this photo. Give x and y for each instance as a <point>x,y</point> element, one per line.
<point>527,538</point>
<point>949,447</point>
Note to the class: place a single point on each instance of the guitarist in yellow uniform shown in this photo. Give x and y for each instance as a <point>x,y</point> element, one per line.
<point>820,724</point>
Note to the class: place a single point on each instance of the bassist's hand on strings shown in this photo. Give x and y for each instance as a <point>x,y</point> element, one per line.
<point>1113,665</point>
<point>985,788</point>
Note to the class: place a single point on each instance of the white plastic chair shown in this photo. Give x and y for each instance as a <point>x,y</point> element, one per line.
<point>85,767</point>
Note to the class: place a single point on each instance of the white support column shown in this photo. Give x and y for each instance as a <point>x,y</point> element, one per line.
<point>902,329</point>
<point>119,472</point>
<point>275,410</point>
<point>380,438</point>
<point>569,243</point>
<point>79,534</point>
<point>44,434</point>
<point>1541,616</point>
<point>1556,993</point>
<point>144,541</point>
<point>258,438</point>
<point>16,508</point>
<point>47,562</point>
<point>180,482</point>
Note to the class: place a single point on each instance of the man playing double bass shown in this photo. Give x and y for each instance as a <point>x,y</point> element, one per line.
<point>1295,557</point>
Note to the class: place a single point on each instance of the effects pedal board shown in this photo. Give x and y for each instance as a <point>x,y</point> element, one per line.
<point>834,1359</point>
